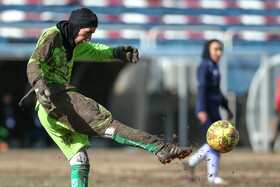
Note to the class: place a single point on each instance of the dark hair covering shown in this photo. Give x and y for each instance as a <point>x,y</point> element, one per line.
<point>79,18</point>
<point>206,50</point>
<point>84,18</point>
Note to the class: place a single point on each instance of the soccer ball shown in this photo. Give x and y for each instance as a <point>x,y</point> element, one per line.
<point>222,136</point>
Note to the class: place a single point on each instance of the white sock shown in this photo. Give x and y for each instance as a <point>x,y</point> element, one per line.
<point>199,155</point>
<point>213,162</point>
<point>109,132</point>
<point>80,157</point>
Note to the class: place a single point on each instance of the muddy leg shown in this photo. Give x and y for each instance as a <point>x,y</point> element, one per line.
<point>133,137</point>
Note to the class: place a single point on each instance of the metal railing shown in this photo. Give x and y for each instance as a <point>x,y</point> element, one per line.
<point>154,32</point>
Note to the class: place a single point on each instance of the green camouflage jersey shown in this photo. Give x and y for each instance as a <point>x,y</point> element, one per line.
<point>49,60</point>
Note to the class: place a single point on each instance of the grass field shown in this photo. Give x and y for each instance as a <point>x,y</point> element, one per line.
<point>132,167</point>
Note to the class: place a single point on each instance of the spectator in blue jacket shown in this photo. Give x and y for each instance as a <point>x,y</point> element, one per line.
<point>210,98</point>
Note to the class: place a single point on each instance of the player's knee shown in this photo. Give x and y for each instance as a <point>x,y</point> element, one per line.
<point>81,157</point>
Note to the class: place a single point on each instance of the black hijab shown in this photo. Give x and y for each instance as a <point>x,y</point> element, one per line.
<point>79,18</point>
<point>206,49</point>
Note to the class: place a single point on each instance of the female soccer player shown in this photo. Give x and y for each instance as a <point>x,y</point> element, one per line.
<point>68,116</point>
<point>207,109</point>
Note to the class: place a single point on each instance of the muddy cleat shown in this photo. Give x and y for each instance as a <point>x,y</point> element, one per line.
<point>171,151</point>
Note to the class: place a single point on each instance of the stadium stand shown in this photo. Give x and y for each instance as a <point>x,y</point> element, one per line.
<point>153,25</point>
<point>144,13</point>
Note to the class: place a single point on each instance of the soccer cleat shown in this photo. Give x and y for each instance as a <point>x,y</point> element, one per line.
<point>219,180</point>
<point>171,151</point>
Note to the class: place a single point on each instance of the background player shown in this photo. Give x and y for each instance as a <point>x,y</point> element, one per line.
<point>207,108</point>
<point>277,109</point>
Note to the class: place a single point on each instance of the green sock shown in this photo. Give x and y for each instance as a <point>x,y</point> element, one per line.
<point>125,141</point>
<point>79,175</point>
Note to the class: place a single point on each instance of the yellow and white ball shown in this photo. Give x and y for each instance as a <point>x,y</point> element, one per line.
<point>222,136</point>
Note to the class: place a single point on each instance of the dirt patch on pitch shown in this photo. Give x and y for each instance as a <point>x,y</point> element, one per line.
<point>133,167</point>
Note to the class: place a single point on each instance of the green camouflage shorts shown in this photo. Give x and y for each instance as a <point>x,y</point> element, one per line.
<point>68,141</point>
<point>72,118</point>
